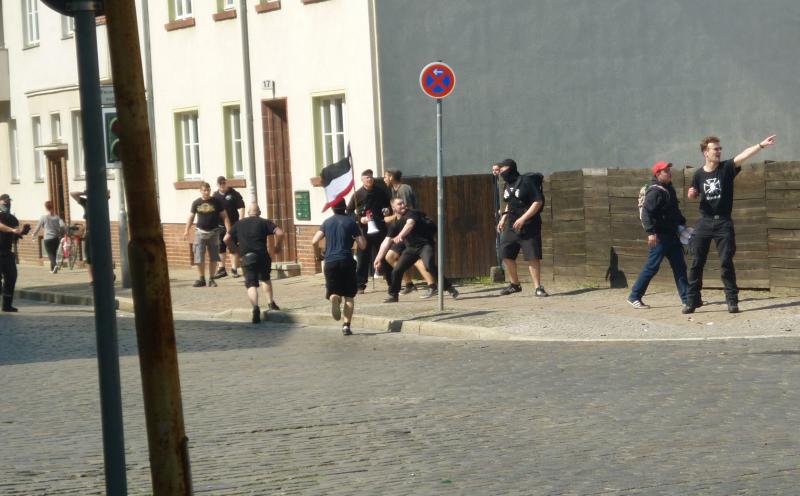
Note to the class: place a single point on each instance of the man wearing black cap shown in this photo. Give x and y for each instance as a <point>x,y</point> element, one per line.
<point>9,233</point>
<point>520,226</point>
<point>713,184</point>
<point>661,218</point>
<point>370,204</point>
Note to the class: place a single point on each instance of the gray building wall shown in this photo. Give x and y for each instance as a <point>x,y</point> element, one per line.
<point>567,84</point>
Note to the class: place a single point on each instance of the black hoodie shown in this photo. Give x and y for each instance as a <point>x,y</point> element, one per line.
<point>662,214</point>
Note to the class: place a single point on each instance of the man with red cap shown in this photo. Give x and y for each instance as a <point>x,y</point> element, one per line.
<point>661,218</point>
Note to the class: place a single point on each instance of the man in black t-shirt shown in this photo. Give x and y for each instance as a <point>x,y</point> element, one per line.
<point>520,227</point>
<point>250,236</point>
<point>10,232</point>
<point>713,184</point>
<point>233,203</point>
<point>417,234</point>
<point>209,211</point>
<point>369,204</point>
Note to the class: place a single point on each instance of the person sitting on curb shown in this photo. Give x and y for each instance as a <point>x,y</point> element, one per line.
<point>341,281</point>
<point>662,219</point>
<point>250,235</point>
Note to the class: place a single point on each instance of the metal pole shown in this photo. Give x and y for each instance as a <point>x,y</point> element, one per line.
<point>439,204</point>
<point>155,329</point>
<point>148,71</point>
<point>124,263</point>
<point>100,244</point>
<point>248,105</point>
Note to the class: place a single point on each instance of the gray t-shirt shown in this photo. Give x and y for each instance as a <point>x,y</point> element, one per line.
<point>53,226</point>
<point>405,192</point>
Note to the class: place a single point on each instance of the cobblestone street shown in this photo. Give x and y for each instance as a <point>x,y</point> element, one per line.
<point>302,410</point>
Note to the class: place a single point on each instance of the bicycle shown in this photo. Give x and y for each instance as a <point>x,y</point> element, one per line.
<point>68,248</point>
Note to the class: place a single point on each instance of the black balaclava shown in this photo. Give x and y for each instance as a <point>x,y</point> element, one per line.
<point>511,174</point>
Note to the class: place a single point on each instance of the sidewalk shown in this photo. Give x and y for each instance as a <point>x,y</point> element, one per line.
<point>569,314</point>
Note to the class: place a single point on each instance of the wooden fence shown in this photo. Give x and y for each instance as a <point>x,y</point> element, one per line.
<point>592,234</point>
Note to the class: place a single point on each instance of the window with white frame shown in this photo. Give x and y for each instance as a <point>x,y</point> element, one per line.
<point>233,140</point>
<point>67,26</point>
<point>182,9</point>
<point>228,4</point>
<point>55,127</point>
<point>13,150</point>
<point>31,22</point>
<point>189,145</point>
<point>38,169</point>
<point>77,144</point>
<point>332,128</point>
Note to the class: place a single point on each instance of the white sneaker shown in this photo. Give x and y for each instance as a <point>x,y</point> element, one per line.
<point>638,304</point>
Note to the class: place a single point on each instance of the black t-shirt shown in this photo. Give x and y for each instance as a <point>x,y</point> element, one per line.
<point>251,234</point>
<point>519,196</point>
<point>418,237</point>
<point>340,231</point>
<point>232,201</point>
<point>716,188</point>
<point>208,213</point>
<point>7,239</point>
<point>374,201</point>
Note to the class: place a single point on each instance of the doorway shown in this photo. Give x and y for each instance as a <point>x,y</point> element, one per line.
<point>58,189</point>
<point>278,169</point>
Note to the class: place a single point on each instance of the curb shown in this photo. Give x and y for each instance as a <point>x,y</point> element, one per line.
<point>123,304</point>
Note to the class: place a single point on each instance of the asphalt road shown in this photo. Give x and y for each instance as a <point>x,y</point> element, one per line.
<point>300,410</point>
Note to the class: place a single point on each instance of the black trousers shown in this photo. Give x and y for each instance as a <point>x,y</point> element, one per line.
<point>51,247</point>
<point>721,231</point>
<point>365,257</point>
<point>8,273</point>
<point>408,258</point>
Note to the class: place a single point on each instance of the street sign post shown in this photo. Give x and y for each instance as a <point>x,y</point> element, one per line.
<point>437,80</point>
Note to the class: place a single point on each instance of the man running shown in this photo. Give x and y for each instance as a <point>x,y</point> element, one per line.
<point>250,235</point>
<point>713,183</point>
<point>417,233</point>
<point>341,284</point>
<point>370,203</point>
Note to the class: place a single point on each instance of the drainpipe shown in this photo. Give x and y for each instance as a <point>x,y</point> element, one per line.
<point>148,74</point>
<point>248,105</point>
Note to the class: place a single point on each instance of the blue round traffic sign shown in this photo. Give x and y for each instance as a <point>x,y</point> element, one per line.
<point>437,80</point>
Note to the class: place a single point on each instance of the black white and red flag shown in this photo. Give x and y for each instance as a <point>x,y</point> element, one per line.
<point>337,179</point>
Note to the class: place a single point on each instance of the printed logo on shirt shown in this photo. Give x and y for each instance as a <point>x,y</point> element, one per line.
<point>514,192</point>
<point>205,208</point>
<point>712,189</point>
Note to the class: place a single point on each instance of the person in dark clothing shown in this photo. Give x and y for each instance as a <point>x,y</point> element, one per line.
<point>410,228</point>
<point>209,212</point>
<point>370,203</point>
<point>82,197</point>
<point>10,232</point>
<point>233,203</point>
<point>662,219</point>
<point>713,184</point>
<point>339,232</point>
<point>250,236</point>
<point>520,226</point>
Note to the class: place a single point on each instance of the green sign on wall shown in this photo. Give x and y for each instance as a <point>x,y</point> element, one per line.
<point>302,205</point>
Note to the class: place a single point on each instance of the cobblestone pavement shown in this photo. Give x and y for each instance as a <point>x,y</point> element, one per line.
<point>568,314</point>
<point>301,410</point>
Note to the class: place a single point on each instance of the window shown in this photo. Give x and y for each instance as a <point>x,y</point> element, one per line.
<point>31,22</point>
<point>77,145</point>
<point>331,123</point>
<point>67,26</point>
<point>233,140</point>
<point>183,9</point>
<point>228,4</point>
<point>38,170</point>
<point>55,127</point>
<point>188,145</point>
<point>14,150</point>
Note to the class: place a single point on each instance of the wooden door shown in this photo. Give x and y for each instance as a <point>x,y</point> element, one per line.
<point>278,167</point>
<point>58,190</point>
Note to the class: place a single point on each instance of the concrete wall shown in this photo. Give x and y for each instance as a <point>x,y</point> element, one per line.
<point>567,84</point>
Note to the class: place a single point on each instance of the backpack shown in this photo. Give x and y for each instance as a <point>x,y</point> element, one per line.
<point>642,194</point>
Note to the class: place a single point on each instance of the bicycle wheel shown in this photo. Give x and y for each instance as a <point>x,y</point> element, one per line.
<point>73,255</point>
<point>60,255</point>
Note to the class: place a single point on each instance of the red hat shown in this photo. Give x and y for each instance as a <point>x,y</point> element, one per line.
<point>659,166</point>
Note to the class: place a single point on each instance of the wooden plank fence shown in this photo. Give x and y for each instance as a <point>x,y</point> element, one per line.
<point>592,235</point>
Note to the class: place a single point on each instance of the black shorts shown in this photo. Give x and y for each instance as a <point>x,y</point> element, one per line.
<point>340,278</point>
<point>530,241</point>
<point>398,247</point>
<point>258,272</point>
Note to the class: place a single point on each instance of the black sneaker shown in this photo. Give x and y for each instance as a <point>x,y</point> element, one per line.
<point>212,283</point>
<point>274,306</point>
<point>733,307</point>
<point>199,283</point>
<point>256,315</point>
<point>391,299</point>
<point>220,274</point>
<point>430,293</point>
<point>688,309</point>
<point>541,292</point>
<point>453,292</point>
<point>235,273</point>
<point>408,289</point>
<point>511,289</point>
<point>346,330</point>
<point>362,289</point>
